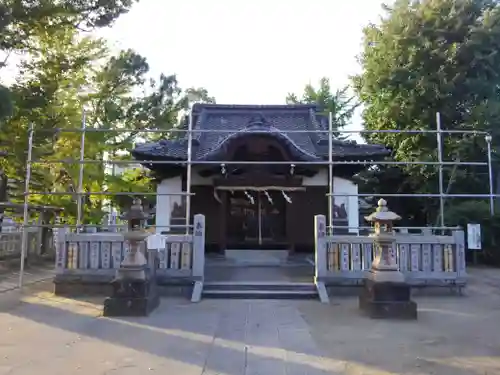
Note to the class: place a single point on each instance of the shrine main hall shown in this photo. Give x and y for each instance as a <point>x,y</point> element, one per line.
<point>259,174</point>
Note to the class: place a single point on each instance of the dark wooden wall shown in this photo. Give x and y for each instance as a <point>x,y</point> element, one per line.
<point>299,221</point>
<point>204,202</point>
<point>305,205</point>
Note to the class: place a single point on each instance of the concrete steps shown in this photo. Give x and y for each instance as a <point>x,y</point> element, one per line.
<point>260,290</point>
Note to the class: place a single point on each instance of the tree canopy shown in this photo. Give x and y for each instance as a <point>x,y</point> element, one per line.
<point>22,21</point>
<point>426,57</point>
<point>339,103</point>
<point>66,76</point>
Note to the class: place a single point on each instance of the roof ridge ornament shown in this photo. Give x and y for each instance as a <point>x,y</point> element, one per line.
<point>257,120</point>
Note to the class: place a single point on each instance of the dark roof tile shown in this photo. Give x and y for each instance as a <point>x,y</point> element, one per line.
<point>238,120</point>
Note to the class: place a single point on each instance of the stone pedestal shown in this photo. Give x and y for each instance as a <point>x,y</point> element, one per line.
<point>387,299</point>
<point>132,296</point>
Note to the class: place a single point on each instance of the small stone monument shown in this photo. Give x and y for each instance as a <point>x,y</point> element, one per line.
<point>385,293</point>
<point>135,291</point>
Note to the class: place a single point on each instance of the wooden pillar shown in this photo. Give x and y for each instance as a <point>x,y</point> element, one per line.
<point>223,211</point>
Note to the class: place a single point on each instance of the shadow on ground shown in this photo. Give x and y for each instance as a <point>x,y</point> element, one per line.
<point>453,336</point>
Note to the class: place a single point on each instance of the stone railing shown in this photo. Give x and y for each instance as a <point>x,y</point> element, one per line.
<point>11,242</point>
<point>425,259</point>
<point>93,258</point>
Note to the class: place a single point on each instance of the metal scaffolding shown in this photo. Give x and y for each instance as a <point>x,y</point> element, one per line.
<point>440,167</point>
<point>439,132</point>
<point>189,169</point>
<point>330,171</point>
<point>79,196</point>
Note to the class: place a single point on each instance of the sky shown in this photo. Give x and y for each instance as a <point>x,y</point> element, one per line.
<point>247,52</point>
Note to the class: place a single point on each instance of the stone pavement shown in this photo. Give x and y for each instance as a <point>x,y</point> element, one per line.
<point>213,337</point>
<point>453,336</point>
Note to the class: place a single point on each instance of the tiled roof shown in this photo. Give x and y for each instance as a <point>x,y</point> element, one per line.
<point>240,120</point>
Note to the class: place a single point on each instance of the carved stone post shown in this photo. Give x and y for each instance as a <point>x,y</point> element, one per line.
<point>134,289</point>
<point>385,293</point>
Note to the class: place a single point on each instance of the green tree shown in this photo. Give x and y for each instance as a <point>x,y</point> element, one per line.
<point>338,102</point>
<point>426,57</point>
<point>22,20</point>
<point>160,107</point>
<point>48,94</point>
<point>5,103</point>
<point>19,19</point>
<point>70,73</point>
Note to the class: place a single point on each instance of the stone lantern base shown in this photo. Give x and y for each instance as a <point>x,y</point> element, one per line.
<point>135,293</point>
<point>387,299</point>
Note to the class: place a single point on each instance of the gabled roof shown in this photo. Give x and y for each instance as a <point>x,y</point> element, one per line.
<point>240,120</point>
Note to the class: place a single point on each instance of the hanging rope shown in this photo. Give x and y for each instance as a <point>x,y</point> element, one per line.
<point>268,197</point>
<point>287,198</point>
<point>250,198</point>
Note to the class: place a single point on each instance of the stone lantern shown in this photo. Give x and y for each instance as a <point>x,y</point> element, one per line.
<point>134,264</point>
<point>385,293</point>
<point>384,267</point>
<point>134,289</point>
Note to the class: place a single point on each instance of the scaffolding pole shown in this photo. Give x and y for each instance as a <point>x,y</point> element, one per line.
<point>92,226</point>
<point>24,238</point>
<point>80,174</point>
<point>488,139</point>
<point>417,195</point>
<point>330,172</point>
<point>252,131</point>
<point>429,195</point>
<point>440,167</point>
<point>189,170</point>
<point>243,162</point>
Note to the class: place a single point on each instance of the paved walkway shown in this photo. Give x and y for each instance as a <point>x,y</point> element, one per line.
<point>453,336</point>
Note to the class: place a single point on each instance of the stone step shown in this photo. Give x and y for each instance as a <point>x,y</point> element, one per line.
<point>258,285</point>
<point>260,290</point>
<point>260,294</point>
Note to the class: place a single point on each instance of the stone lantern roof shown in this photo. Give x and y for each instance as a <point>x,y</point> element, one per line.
<point>136,211</point>
<point>382,213</point>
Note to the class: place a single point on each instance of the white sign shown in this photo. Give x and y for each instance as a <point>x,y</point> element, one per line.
<point>474,236</point>
<point>156,241</point>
